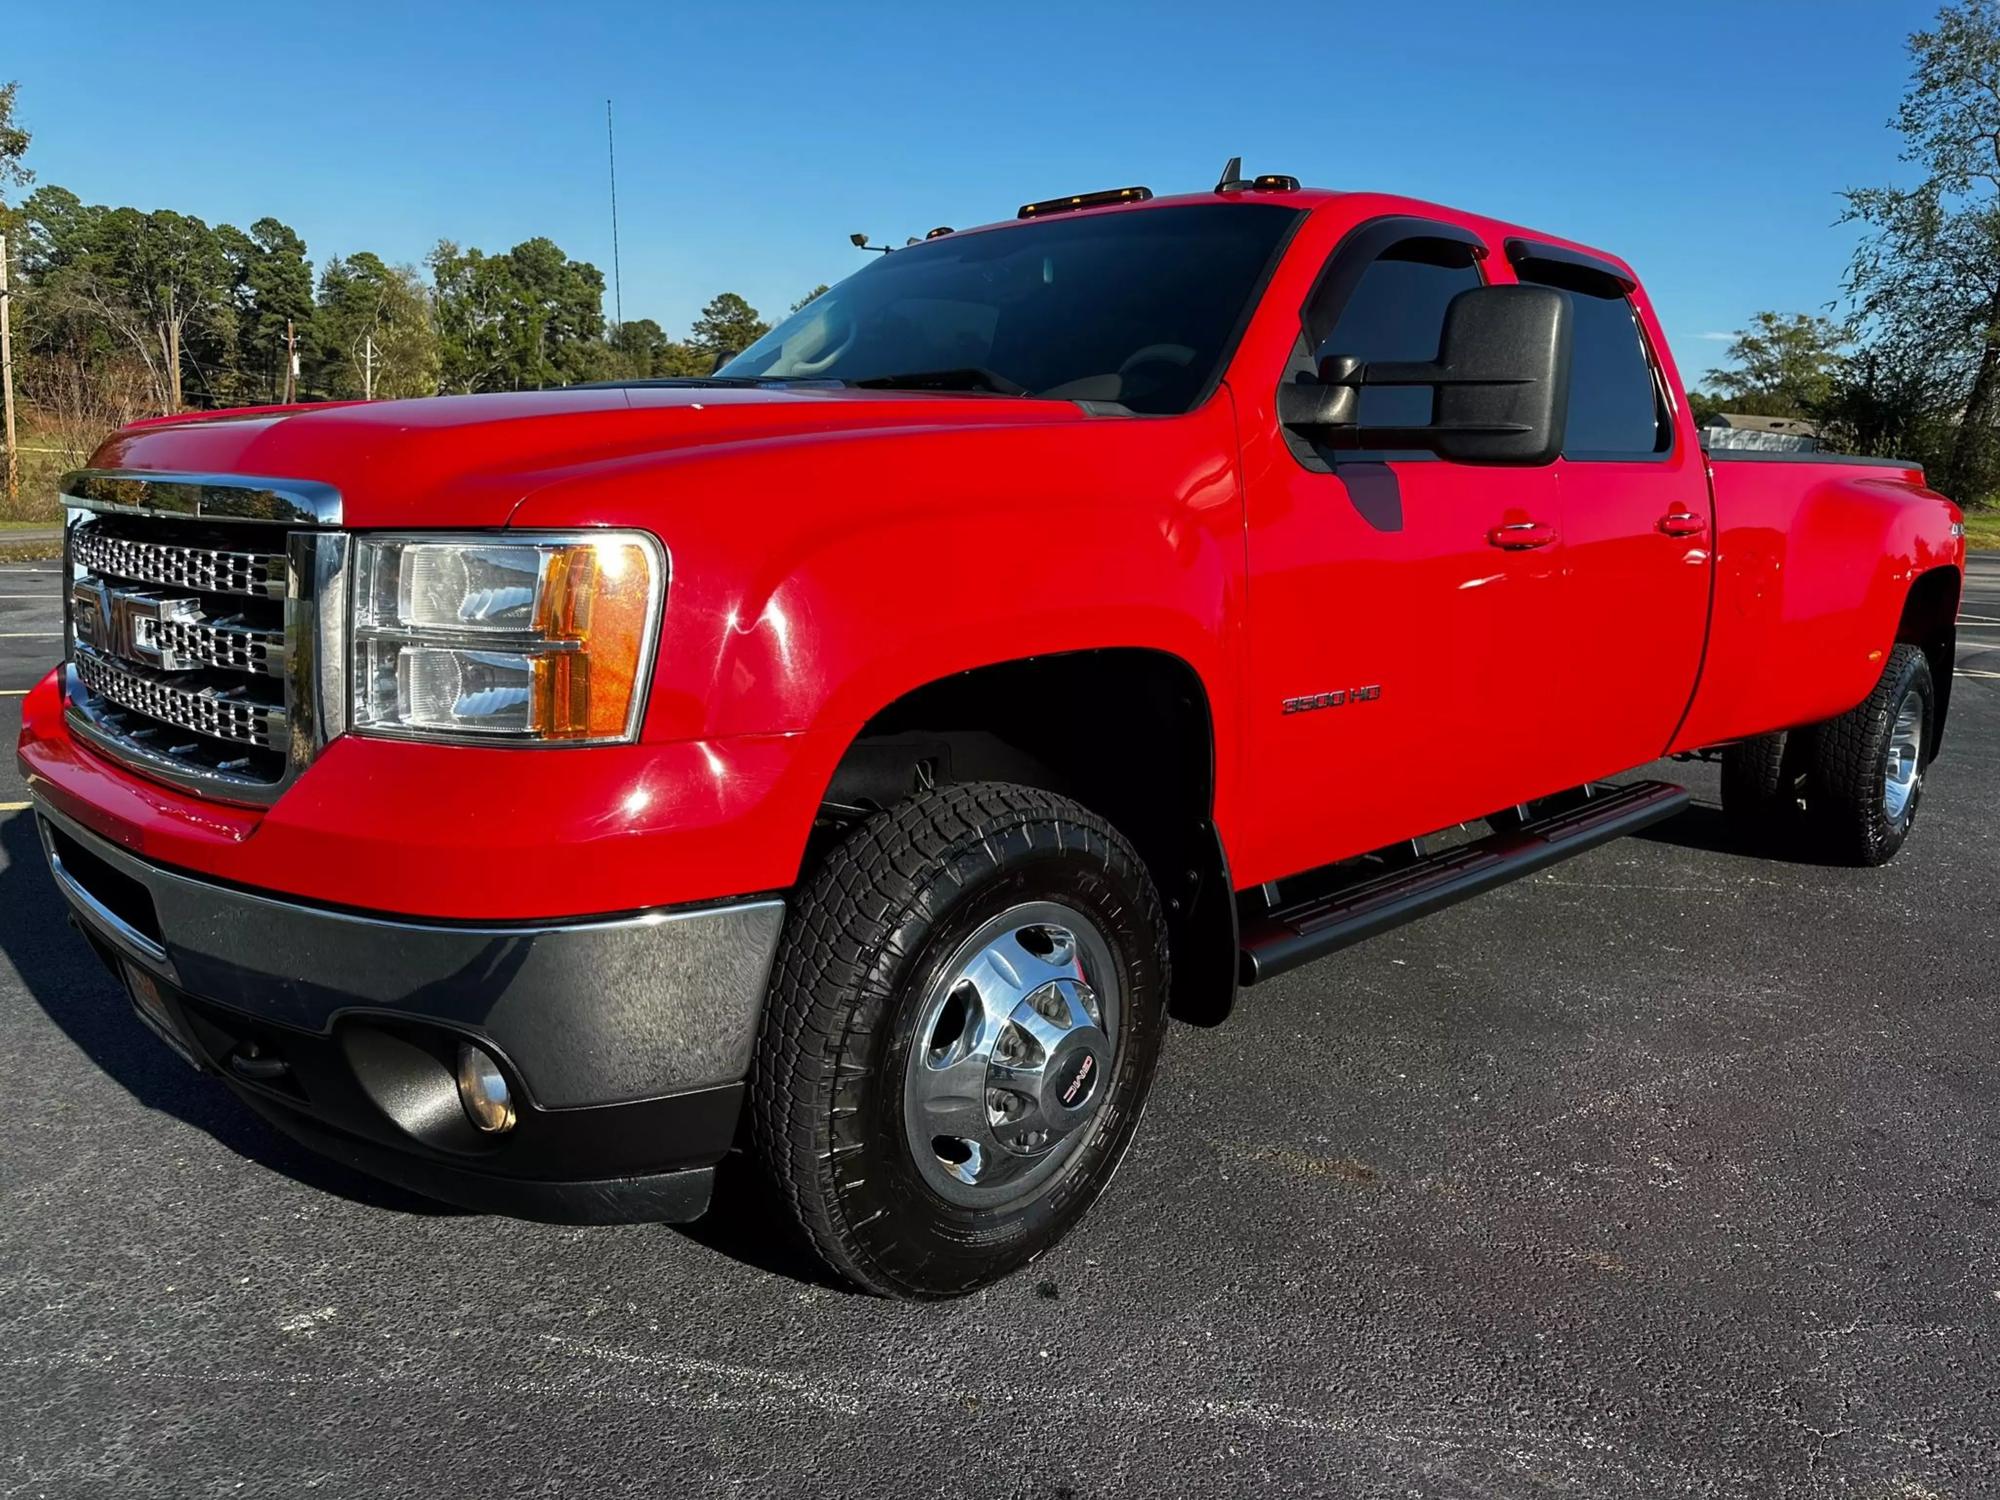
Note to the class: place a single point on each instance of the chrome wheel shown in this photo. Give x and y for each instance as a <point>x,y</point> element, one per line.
<point>1012,1055</point>
<point>1903,767</point>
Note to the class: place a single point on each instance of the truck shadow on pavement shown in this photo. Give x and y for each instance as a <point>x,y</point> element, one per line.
<point>1706,829</point>
<point>746,1222</point>
<point>58,969</point>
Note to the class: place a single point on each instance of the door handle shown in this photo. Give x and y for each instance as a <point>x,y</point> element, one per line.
<point>1520,536</point>
<point>1683,523</point>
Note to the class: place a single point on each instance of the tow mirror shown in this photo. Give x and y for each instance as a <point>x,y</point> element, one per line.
<point>1501,377</point>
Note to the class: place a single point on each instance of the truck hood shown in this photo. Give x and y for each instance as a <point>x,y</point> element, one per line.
<point>473,460</point>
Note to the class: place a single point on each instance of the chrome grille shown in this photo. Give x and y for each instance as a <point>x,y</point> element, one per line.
<point>219,713</point>
<point>212,570</point>
<point>193,625</point>
<point>227,644</point>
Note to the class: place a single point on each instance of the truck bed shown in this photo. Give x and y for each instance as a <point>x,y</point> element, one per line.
<point>1811,578</point>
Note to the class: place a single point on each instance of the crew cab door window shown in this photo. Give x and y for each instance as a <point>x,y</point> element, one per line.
<point>1616,410</point>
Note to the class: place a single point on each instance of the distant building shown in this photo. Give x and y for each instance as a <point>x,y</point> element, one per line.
<point>1772,434</point>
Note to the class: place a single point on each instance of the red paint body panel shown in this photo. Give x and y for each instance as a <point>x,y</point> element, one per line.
<point>1815,562</point>
<point>467,832</point>
<point>831,551</point>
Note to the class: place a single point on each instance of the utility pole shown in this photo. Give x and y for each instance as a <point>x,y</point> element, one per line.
<point>291,363</point>
<point>368,368</point>
<point>7,376</point>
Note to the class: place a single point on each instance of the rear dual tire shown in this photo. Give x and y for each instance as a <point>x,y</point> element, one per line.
<point>1866,775</point>
<point>1849,787</point>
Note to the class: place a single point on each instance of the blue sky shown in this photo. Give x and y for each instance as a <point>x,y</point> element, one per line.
<point>1705,142</point>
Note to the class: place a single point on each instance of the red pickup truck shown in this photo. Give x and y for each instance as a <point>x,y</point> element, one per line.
<point>861,750</point>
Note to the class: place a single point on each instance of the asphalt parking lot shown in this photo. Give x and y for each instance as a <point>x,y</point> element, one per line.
<point>1670,1171</point>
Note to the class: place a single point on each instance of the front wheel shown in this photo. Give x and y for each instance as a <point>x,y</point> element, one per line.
<point>965,1017</point>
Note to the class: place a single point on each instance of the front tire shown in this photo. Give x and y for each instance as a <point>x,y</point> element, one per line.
<point>965,1017</point>
<point>1867,766</point>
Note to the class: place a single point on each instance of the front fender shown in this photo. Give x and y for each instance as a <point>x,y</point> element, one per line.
<point>815,580</point>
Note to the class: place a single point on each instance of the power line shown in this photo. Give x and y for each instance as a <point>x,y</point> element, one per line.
<point>611,155</point>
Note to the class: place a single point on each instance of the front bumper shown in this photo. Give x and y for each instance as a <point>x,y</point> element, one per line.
<point>625,1039</point>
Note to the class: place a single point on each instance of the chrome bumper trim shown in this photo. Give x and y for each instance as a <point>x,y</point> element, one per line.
<point>113,928</point>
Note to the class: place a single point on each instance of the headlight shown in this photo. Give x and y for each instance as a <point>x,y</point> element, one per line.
<point>540,639</point>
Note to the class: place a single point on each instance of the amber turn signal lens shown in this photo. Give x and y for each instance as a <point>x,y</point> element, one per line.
<point>598,595</point>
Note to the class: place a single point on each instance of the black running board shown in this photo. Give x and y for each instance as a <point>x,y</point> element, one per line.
<point>1288,936</point>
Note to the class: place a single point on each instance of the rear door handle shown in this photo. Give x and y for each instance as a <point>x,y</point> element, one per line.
<point>1520,536</point>
<point>1683,523</point>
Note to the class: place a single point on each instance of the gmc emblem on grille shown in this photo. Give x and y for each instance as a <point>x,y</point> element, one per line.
<point>124,622</point>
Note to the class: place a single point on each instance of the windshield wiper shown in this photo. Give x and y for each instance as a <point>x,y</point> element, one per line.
<point>962,378</point>
<point>696,381</point>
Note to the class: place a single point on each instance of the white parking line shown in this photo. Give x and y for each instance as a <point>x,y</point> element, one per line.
<point>1969,672</point>
<point>30,635</point>
<point>14,806</point>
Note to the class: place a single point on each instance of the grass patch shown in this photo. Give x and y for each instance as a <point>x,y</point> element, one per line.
<point>1982,530</point>
<point>37,505</point>
<point>29,551</point>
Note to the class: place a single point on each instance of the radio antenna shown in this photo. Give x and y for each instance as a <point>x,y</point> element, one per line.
<point>611,156</point>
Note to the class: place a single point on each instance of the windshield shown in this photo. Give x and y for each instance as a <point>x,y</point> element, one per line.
<point>1136,308</point>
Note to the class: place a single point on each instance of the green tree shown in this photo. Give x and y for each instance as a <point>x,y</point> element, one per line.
<point>638,347</point>
<point>1897,396</point>
<point>1781,366</point>
<point>1927,272</point>
<point>524,320</point>
<point>726,326</point>
<point>271,291</point>
<point>812,296</point>
<point>375,337</point>
<point>641,350</point>
<point>1703,404</point>
<point>13,148</point>
<point>152,283</point>
<point>56,319</point>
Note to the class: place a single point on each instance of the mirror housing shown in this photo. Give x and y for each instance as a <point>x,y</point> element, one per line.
<point>1501,377</point>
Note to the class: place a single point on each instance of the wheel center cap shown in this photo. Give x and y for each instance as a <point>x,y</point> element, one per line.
<point>1072,1081</point>
<point>1047,1073</point>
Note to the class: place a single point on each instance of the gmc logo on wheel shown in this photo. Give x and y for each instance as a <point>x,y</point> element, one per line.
<point>1081,1077</point>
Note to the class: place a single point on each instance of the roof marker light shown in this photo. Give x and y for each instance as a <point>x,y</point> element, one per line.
<point>1084,200</point>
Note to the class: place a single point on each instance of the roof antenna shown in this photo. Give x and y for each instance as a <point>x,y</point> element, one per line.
<point>611,155</point>
<point>1231,180</point>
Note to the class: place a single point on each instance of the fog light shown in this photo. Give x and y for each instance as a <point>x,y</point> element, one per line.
<point>482,1089</point>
